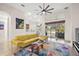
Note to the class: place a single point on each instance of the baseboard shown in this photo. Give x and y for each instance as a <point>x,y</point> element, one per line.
<point>67,41</point>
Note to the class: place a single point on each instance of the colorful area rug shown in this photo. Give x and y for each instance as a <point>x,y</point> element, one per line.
<point>56,49</point>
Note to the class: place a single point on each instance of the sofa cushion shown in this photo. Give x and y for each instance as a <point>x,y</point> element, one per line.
<point>25,37</point>
<point>31,40</point>
<point>24,40</point>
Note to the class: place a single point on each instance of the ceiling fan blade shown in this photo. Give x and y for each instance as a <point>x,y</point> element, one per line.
<point>50,9</point>
<point>47,7</point>
<point>40,7</point>
<point>43,5</point>
<point>49,12</point>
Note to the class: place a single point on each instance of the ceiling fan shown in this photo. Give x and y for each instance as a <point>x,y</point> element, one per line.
<point>45,9</point>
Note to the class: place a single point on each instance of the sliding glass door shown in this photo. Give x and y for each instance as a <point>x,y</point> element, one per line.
<point>55,29</point>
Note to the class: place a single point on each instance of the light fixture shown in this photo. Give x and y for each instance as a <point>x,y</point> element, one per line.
<point>66,8</point>
<point>43,12</point>
<point>45,9</point>
<point>22,5</point>
<point>29,13</point>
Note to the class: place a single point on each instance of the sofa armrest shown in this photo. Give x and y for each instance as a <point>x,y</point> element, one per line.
<point>43,37</point>
<point>16,42</point>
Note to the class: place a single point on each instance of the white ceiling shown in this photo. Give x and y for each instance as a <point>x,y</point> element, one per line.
<point>32,7</point>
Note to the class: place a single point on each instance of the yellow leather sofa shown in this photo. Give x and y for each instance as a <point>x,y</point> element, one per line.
<point>25,40</point>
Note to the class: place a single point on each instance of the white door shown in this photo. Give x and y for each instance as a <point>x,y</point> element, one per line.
<point>3,34</point>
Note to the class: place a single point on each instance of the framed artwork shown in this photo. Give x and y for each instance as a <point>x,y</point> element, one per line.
<point>1,25</point>
<point>19,23</point>
<point>27,26</point>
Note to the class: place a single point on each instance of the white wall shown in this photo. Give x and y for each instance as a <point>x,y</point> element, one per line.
<point>13,13</point>
<point>68,26</point>
<point>64,15</point>
<point>32,20</point>
<point>71,16</point>
<point>4,34</point>
<point>55,16</point>
<point>74,18</point>
<point>72,22</point>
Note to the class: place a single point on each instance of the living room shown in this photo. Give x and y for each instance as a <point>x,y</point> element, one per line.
<point>19,19</point>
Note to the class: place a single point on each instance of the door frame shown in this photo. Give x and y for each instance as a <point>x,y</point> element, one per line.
<point>7,20</point>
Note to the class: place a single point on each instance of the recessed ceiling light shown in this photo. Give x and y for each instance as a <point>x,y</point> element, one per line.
<point>22,5</point>
<point>29,13</point>
<point>66,8</point>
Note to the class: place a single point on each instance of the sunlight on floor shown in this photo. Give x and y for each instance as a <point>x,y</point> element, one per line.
<point>58,41</point>
<point>54,40</point>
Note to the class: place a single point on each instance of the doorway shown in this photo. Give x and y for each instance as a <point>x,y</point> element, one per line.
<point>55,29</point>
<point>4,33</point>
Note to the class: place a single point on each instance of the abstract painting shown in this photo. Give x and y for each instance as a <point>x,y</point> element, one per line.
<point>1,25</point>
<point>27,27</point>
<point>19,23</point>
